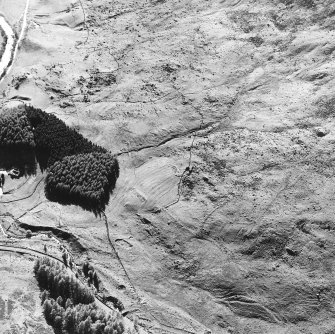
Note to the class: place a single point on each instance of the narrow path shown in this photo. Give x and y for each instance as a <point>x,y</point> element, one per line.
<point>25,197</point>
<point>119,259</point>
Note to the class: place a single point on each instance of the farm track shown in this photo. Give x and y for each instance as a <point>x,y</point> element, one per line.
<point>25,197</point>
<point>6,63</point>
<point>164,327</point>
<point>120,263</point>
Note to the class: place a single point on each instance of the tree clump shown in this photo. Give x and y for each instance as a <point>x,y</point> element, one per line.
<point>15,129</point>
<point>69,307</point>
<point>84,179</point>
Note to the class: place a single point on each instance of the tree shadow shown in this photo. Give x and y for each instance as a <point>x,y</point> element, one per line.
<point>65,197</point>
<point>42,158</point>
<point>21,158</point>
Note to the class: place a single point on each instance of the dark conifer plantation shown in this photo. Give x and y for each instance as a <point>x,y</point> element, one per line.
<point>68,306</point>
<point>55,140</point>
<point>79,172</point>
<point>17,142</point>
<point>15,129</point>
<point>83,179</point>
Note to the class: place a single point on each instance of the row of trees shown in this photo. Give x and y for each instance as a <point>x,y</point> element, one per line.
<point>67,312</point>
<point>55,139</point>
<point>84,179</point>
<point>91,275</point>
<point>15,129</point>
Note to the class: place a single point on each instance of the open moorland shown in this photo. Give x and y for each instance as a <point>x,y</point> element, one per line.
<point>193,192</point>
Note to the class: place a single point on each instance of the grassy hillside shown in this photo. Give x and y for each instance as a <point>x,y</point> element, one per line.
<point>221,114</point>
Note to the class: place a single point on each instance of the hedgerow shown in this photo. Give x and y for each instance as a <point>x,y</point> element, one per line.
<point>15,129</point>
<point>68,306</point>
<point>55,140</point>
<point>84,179</point>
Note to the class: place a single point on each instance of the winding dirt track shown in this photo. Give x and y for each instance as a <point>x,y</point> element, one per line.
<point>6,64</point>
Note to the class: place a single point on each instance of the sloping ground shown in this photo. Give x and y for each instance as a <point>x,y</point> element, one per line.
<point>222,115</point>
<point>20,306</point>
<point>12,10</point>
